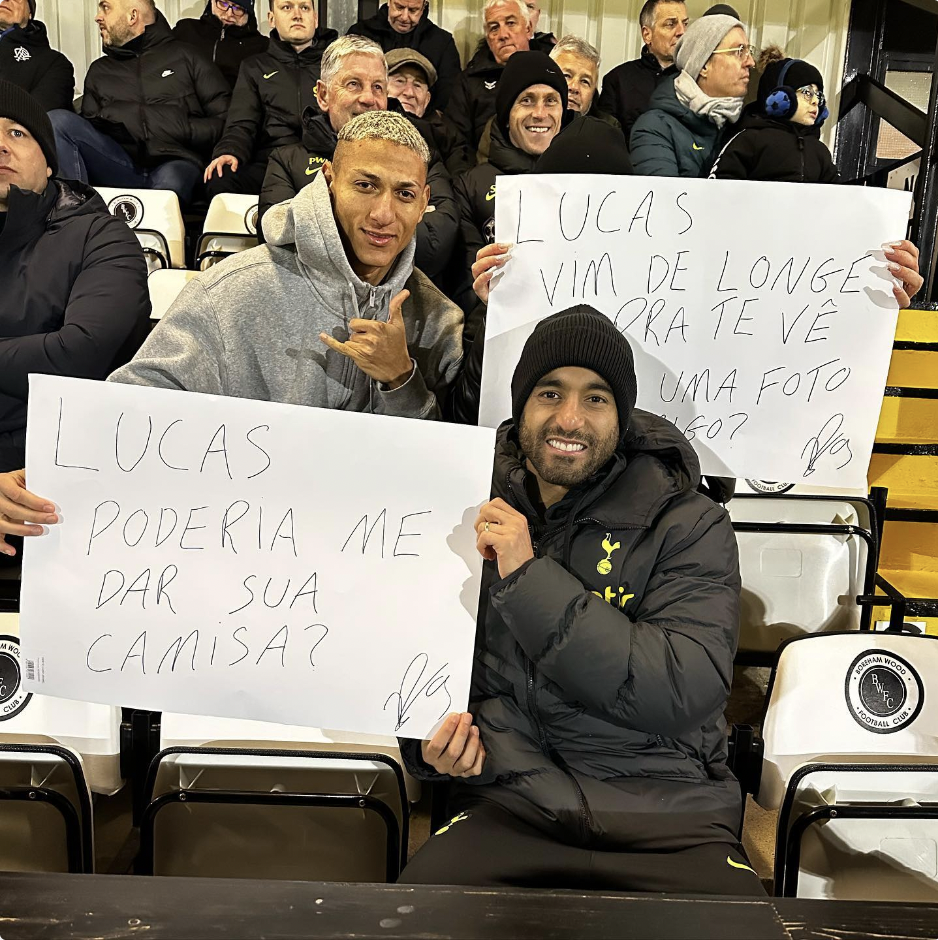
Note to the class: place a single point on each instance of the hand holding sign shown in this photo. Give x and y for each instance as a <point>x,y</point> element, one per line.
<point>503,534</point>
<point>378,349</point>
<point>903,263</point>
<point>456,749</point>
<point>21,512</point>
<point>489,260</point>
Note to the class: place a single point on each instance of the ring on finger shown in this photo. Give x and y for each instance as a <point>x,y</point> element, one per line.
<point>486,527</point>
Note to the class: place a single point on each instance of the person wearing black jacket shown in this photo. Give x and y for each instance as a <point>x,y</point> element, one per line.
<point>273,91</point>
<point>152,110</point>
<point>226,33</point>
<point>594,752</point>
<point>627,89</point>
<point>27,59</point>
<point>531,109</point>
<point>72,277</point>
<point>405,24</point>
<point>472,103</point>
<point>778,137</point>
<point>354,59</point>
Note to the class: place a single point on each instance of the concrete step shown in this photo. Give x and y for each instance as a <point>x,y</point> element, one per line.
<point>908,421</point>
<point>913,368</point>
<point>915,473</point>
<point>910,545</point>
<point>917,326</point>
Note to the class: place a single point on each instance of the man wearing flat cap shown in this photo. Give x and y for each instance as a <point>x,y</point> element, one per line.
<point>594,752</point>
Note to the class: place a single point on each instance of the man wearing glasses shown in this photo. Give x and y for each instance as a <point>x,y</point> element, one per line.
<point>680,134</point>
<point>225,34</point>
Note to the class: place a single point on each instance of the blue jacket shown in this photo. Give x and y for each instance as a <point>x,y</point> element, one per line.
<point>670,140</point>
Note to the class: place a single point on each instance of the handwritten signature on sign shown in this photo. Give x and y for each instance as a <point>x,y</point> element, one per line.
<point>411,690</point>
<point>828,440</point>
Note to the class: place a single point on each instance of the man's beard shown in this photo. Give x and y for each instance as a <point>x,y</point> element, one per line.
<point>566,471</point>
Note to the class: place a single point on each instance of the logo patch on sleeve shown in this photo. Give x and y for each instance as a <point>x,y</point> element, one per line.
<point>884,693</point>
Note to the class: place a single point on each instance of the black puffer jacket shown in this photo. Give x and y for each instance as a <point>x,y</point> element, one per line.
<point>427,38</point>
<point>27,60</point>
<point>472,105</point>
<point>291,168</point>
<point>602,666</point>
<point>157,97</point>
<point>627,89</point>
<point>762,148</point>
<point>226,46</point>
<point>273,91</point>
<point>74,286</point>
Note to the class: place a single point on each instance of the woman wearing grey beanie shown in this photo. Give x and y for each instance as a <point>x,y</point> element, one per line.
<point>678,135</point>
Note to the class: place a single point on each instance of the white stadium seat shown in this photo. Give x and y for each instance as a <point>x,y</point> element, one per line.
<point>231,798</point>
<point>851,761</point>
<point>165,285</point>
<point>803,561</point>
<point>156,220</point>
<point>230,227</point>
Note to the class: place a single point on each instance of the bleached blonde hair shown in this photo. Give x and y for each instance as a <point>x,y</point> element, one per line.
<point>386,125</point>
<point>346,46</point>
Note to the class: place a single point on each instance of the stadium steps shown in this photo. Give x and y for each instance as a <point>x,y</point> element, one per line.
<point>905,459</point>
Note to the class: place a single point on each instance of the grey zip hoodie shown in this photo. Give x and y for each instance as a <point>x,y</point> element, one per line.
<point>249,327</point>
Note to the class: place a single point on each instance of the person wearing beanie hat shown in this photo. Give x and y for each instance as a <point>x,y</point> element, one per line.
<point>27,59</point>
<point>722,9</point>
<point>73,279</point>
<point>628,88</point>
<point>530,110</point>
<point>691,112</point>
<point>589,145</point>
<point>779,135</point>
<point>607,627</point>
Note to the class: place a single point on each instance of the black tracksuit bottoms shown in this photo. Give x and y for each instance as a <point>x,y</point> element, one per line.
<point>487,846</point>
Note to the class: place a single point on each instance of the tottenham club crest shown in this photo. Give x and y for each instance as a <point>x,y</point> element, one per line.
<point>13,698</point>
<point>127,208</point>
<point>250,220</point>
<point>884,692</point>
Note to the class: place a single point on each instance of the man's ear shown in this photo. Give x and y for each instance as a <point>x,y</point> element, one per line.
<point>322,93</point>
<point>426,200</point>
<point>328,173</point>
<point>646,35</point>
<point>48,172</point>
<point>270,18</point>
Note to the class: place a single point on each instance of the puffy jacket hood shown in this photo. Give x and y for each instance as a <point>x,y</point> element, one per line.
<point>505,156</point>
<point>306,226</point>
<point>31,213</point>
<point>318,135</point>
<point>237,32</point>
<point>285,52</point>
<point>154,35</point>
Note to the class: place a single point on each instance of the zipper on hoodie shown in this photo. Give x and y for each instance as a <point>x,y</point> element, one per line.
<point>801,154</point>
<point>143,112</point>
<point>221,38</point>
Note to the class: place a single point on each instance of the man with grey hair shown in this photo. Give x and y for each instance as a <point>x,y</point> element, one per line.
<point>354,81</point>
<point>152,109</point>
<point>330,312</point>
<point>507,25</point>
<point>627,89</point>
<point>579,62</point>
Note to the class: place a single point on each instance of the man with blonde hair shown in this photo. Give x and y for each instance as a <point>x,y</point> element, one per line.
<point>507,30</point>
<point>152,109</point>
<point>579,62</point>
<point>354,81</point>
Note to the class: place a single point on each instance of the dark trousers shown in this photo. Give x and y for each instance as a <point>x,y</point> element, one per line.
<point>248,181</point>
<point>488,846</point>
<point>87,155</point>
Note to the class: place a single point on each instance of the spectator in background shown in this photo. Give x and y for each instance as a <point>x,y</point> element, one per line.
<point>27,59</point>
<point>272,92</point>
<point>405,24</point>
<point>779,136</point>
<point>152,110</point>
<point>508,30</point>
<point>680,134</point>
<point>225,34</point>
<point>627,89</point>
<point>73,280</point>
<point>543,42</point>
<point>579,62</point>
<point>355,80</point>
<point>530,110</point>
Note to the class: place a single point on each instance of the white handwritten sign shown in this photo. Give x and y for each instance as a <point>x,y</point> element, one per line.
<point>252,560</point>
<point>761,315</point>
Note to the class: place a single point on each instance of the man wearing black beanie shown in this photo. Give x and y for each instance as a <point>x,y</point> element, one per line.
<point>73,280</point>
<point>530,110</point>
<point>594,756</point>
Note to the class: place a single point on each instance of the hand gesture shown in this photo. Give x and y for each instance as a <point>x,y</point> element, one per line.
<point>489,260</point>
<point>456,749</point>
<point>504,535</point>
<point>19,508</point>
<point>903,265</point>
<point>226,159</point>
<point>379,349</point>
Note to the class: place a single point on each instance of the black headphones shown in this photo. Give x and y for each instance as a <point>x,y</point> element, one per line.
<point>782,103</point>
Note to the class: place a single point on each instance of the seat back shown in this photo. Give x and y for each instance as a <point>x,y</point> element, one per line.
<point>156,220</point>
<point>230,227</point>
<point>803,561</point>
<point>849,698</point>
<point>276,814</point>
<point>90,730</point>
<point>165,286</point>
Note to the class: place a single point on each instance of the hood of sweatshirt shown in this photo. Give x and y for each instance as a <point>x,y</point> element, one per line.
<point>306,226</point>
